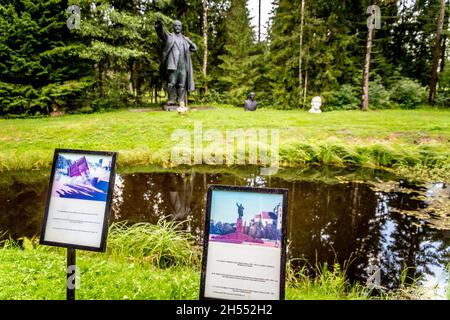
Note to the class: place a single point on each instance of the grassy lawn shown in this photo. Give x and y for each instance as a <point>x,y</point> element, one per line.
<point>146,261</point>
<point>410,140</point>
<point>38,275</point>
<point>41,275</point>
<point>142,261</point>
<point>151,261</point>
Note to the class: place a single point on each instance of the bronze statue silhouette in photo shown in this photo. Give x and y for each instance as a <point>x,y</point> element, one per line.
<point>240,210</point>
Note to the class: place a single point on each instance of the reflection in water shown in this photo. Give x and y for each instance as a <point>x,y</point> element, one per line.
<point>22,207</point>
<point>327,222</point>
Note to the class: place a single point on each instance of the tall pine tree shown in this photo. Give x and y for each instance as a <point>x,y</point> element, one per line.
<point>330,52</point>
<point>40,70</point>
<point>237,77</point>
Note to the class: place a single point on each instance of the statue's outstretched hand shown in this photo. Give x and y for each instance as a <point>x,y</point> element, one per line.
<point>192,45</point>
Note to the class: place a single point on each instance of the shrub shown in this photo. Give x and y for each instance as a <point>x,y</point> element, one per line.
<point>379,96</point>
<point>443,98</point>
<point>443,94</point>
<point>212,96</point>
<point>407,93</point>
<point>346,98</point>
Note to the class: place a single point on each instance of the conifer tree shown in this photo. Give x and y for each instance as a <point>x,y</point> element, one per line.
<point>40,70</point>
<point>237,76</point>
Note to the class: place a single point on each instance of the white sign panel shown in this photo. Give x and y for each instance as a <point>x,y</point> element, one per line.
<point>79,199</point>
<point>245,246</point>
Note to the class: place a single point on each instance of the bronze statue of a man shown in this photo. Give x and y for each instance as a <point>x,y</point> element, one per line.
<point>177,61</point>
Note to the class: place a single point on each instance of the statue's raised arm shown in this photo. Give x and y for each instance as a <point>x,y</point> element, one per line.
<point>162,34</point>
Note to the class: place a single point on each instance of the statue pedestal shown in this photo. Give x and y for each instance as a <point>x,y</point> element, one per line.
<point>172,108</point>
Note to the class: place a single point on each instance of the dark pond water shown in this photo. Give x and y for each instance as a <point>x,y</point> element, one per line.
<point>333,216</point>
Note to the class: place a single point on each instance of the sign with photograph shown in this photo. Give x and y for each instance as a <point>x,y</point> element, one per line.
<point>244,250</point>
<point>79,199</point>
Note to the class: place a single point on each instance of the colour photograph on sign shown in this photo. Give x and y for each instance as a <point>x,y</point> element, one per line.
<point>244,252</point>
<point>259,226</point>
<point>78,203</point>
<point>82,177</point>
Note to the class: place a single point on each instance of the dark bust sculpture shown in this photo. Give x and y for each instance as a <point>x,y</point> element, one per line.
<point>177,61</point>
<point>250,103</point>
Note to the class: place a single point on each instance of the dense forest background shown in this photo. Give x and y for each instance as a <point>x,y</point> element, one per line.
<point>110,58</point>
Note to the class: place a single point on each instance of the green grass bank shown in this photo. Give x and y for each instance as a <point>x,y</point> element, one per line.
<point>410,142</point>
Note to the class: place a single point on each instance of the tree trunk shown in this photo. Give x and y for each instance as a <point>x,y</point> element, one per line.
<point>355,210</point>
<point>437,53</point>
<point>205,44</point>
<point>306,88</point>
<point>100,79</point>
<point>259,21</point>
<point>366,70</point>
<point>138,81</point>
<point>130,79</point>
<point>300,54</point>
<point>444,54</point>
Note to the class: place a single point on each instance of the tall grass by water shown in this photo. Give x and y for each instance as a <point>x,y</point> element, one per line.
<point>164,245</point>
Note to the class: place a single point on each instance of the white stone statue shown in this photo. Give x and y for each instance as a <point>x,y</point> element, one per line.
<point>316,103</point>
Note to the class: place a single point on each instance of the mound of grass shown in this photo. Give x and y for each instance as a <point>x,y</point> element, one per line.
<point>380,139</point>
<point>163,245</point>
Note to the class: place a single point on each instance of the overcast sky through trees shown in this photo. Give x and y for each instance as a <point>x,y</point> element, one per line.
<point>266,7</point>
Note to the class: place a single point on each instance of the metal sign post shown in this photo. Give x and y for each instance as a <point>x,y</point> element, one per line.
<point>71,274</point>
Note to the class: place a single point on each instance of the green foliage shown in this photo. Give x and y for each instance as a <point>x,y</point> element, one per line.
<point>40,274</point>
<point>443,93</point>
<point>120,44</point>
<point>345,98</point>
<point>407,93</point>
<point>443,98</point>
<point>329,283</point>
<point>403,93</point>
<point>237,75</point>
<point>39,66</point>
<point>411,41</point>
<point>113,61</point>
<point>379,96</point>
<point>330,52</point>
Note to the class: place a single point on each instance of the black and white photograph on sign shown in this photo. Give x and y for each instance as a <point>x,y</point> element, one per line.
<point>79,198</point>
<point>244,250</point>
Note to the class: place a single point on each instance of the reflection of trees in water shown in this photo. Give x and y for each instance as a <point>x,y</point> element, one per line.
<point>22,207</point>
<point>325,221</point>
<point>331,222</point>
<point>142,198</point>
<point>179,196</point>
<point>409,244</point>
